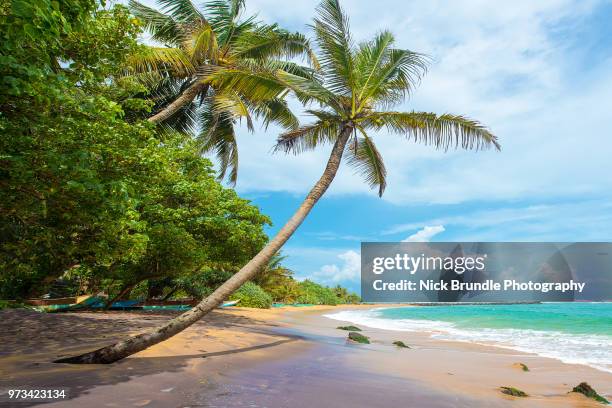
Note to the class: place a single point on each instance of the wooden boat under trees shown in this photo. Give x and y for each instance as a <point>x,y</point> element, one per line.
<point>62,304</point>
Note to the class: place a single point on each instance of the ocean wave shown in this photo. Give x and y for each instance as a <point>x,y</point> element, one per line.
<point>590,350</point>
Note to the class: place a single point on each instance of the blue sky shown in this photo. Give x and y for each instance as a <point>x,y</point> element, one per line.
<point>538,73</point>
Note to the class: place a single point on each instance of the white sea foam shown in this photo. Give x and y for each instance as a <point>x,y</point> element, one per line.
<point>590,350</point>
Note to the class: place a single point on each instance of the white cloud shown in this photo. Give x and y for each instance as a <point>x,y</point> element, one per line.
<point>502,63</point>
<point>332,274</point>
<point>573,221</point>
<point>425,234</point>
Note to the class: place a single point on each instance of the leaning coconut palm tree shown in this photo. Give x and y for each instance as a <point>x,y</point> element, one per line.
<point>216,40</point>
<point>360,83</point>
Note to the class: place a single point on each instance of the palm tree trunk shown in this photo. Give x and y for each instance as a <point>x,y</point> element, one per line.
<point>186,97</point>
<point>118,351</point>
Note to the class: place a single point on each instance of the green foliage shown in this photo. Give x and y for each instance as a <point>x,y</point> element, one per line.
<point>207,49</point>
<point>86,191</point>
<point>313,293</point>
<point>251,295</point>
<point>278,281</point>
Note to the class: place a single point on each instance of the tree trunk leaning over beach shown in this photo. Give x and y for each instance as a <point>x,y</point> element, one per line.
<point>118,351</point>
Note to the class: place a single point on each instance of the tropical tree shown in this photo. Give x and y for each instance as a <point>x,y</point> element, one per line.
<point>359,85</point>
<point>216,40</point>
<point>273,272</point>
<point>85,195</point>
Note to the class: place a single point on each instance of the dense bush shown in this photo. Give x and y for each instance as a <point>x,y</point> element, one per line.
<point>313,293</point>
<point>251,295</point>
<point>86,191</point>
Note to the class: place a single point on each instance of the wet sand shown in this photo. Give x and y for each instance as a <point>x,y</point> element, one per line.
<point>289,357</point>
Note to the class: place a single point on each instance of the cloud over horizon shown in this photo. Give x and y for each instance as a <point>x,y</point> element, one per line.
<point>348,271</point>
<point>425,234</point>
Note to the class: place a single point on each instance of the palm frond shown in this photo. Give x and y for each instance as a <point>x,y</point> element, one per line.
<point>162,28</point>
<point>441,131</point>
<point>218,137</point>
<point>236,7</point>
<point>203,45</point>
<point>308,89</point>
<point>255,86</point>
<point>161,60</point>
<point>332,33</point>
<point>367,161</point>
<point>272,66</point>
<point>308,137</point>
<point>183,11</point>
<point>225,8</point>
<point>324,115</point>
<point>223,17</point>
<point>268,42</point>
<point>399,74</point>
<point>230,103</point>
<point>275,111</point>
<point>370,57</point>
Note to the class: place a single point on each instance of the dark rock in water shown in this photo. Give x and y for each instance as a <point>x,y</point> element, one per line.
<point>349,328</point>
<point>359,338</point>
<point>400,344</point>
<point>587,390</point>
<point>515,392</point>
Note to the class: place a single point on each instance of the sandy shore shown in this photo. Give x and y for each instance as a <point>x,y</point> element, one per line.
<point>289,357</point>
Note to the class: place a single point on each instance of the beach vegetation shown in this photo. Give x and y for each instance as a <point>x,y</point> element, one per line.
<point>400,344</point>
<point>251,295</point>
<point>312,293</point>
<point>278,281</point>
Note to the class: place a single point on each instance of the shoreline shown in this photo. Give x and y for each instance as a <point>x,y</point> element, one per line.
<point>531,341</point>
<point>275,358</point>
<point>480,369</point>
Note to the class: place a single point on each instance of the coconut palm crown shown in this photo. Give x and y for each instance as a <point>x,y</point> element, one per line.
<point>197,44</point>
<point>359,86</point>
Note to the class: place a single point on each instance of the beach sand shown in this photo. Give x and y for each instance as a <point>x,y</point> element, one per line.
<point>285,357</point>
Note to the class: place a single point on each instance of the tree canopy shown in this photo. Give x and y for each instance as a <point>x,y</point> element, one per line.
<point>82,186</point>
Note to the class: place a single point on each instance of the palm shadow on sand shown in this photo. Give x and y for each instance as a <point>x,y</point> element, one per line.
<point>30,341</point>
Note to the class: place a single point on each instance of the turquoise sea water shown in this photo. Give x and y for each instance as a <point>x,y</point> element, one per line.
<point>572,332</point>
<point>577,318</point>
